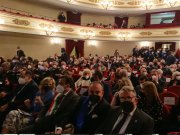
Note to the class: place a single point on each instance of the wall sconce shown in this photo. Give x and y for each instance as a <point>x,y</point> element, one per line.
<point>49,29</point>
<point>124,35</point>
<point>93,43</point>
<point>2,21</point>
<point>87,33</point>
<point>145,44</point>
<point>55,41</point>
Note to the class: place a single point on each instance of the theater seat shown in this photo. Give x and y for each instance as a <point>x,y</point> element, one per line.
<point>169,98</point>
<point>174,89</point>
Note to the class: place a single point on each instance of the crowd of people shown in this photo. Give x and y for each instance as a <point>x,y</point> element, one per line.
<point>88,95</point>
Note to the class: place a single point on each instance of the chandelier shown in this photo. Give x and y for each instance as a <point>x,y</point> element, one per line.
<point>87,33</point>
<point>171,3</point>
<point>146,4</point>
<point>106,3</point>
<point>124,35</point>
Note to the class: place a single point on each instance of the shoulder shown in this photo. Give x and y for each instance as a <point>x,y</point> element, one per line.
<point>144,116</point>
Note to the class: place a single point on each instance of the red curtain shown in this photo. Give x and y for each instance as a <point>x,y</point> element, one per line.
<point>73,18</point>
<point>70,44</point>
<point>79,47</point>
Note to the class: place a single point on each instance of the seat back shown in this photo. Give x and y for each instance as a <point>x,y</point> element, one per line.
<point>174,89</point>
<point>168,98</point>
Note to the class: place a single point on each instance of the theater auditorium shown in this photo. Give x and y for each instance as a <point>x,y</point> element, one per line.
<point>90,67</point>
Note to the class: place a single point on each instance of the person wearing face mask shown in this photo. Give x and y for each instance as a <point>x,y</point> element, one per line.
<point>83,83</point>
<point>127,118</point>
<point>24,97</point>
<point>175,79</point>
<point>58,112</point>
<point>92,110</point>
<point>138,88</point>
<point>22,118</point>
<point>132,76</point>
<point>98,76</point>
<point>155,79</point>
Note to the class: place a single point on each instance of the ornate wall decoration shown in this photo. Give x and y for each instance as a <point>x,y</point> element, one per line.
<point>171,32</point>
<point>66,29</point>
<point>21,22</point>
<point>44,25</point>
<point>145,33</point>
<point>104,33</point>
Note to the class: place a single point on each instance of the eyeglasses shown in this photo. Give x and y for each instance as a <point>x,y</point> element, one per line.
<point>127,98</point>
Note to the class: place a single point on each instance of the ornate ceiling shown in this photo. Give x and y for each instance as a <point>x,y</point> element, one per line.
<point>126,7</point>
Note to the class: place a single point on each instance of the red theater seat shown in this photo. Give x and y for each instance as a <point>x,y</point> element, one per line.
<point>174,89</point>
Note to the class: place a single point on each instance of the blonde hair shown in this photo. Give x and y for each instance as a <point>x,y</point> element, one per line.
<point>124,82</point>
<point>47,81</point>
<point>127,89</point>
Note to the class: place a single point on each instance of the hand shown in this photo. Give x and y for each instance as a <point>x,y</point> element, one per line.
<point>3,108</point>
<point>27,103</point>
<point>38,100</point>
<point>3,94</point>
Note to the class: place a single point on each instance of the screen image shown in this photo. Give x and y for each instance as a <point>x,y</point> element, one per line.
<point>163,18</point>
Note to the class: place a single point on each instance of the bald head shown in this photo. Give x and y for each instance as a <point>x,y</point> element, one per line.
<point>96,88</point>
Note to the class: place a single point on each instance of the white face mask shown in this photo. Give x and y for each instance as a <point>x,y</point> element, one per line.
<point>129,74</point>
<point>178,78</point>
<point>87,76</point>
<point>141,85</point>
<point>154,77</point>
<point>21,81</point>
<point>63,66</point>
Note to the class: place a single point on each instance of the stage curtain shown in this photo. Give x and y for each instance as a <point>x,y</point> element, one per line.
<point>73,18</point>
<point>80,48</point>
<point>70,44</point>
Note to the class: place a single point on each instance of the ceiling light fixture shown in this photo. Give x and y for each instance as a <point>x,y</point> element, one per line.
<point>146,4</point>
<point>171,3</point>
<point>106,3</point>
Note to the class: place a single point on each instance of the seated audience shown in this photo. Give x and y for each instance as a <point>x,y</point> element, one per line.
<point>58,112</point>
<point>23,98</point>
<point>17,119</point>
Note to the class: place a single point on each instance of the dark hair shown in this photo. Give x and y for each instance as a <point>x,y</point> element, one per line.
<point>68,80</point>
<point>143,77</point>
<point>98,74</point>
<point>29,73</point>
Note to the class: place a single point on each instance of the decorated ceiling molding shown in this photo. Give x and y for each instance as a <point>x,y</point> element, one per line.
<point>29,25</point>
<point>116,7</point>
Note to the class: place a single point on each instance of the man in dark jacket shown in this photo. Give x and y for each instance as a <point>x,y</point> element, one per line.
<point>127,119</point>
<point>58,112</point>
<point>92,110</point>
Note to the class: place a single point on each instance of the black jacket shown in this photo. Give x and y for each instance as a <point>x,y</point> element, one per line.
<point>141,123</point>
